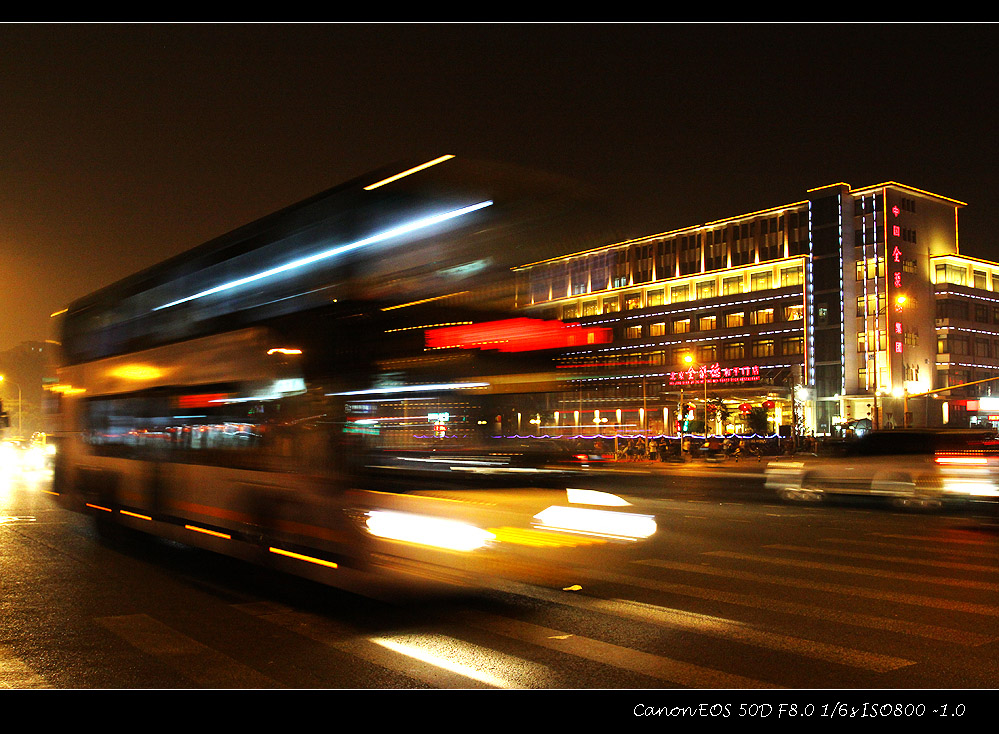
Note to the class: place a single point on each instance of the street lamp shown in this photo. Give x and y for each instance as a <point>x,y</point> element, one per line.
<point>875,384</point>
<point>20,433</point>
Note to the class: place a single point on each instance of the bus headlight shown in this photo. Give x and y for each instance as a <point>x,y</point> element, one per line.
<point>603,523</point>
<point>425,530</point>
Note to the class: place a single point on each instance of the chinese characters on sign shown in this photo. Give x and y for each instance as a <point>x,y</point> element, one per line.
<point>896,256</point>
<point>712,374</point>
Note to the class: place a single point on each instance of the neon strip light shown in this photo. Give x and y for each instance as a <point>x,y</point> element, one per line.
<point>333,252</point>
<point>135,514</point>
<point>208,532</point>
<point>300,557</point>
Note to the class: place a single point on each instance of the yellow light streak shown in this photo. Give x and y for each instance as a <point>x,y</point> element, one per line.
<point>424,300</point>
<point>541,538</point>
<point>284,350</point>
<point>300,557</point>
<point>408,172</point>
<point>135,514</point>
<point>136,372</point>
<point>65,389</point>
<point>98,507</point>
<point>206,531</point>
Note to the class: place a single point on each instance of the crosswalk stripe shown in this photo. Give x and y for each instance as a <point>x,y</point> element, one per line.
<point>749,635</point>
<point>933,632</point>
<point>656,666</point>
<point>880,557</point>
<point>436,660</point>
<point>193,660</point>
<point>911,599</point>
<point>718,627</point>
<point>15,673</point>
<point>939,540</point>
<point>897,548</point>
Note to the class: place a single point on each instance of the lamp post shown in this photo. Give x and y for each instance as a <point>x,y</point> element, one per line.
<point>689,361</point>
<point>20,434</point>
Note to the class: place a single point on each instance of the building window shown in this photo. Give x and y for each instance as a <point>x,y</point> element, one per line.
<point>981,280</point>
<point>633,332</point>
<point>681,326</point>
<point>951,274</point>
<point>763,348</point>
<point>707,323</point>
<point>734,350</point>
<point>952,309</point>
<point>761,281</point>
<point>794,345</point>
<point>569,311</point>
<point>762,316</point>
<point>875,304</point>
<point>612,305</point>
<point>678,293</point>
<point>657,329</point>
<point>735,319</point>
<point>656,297</point>
<point>791,276</point>
<point>589,308</point>
<point>707,353</point>
<point>794,313</point>
<point>731,286</point>
<point>707,289</point>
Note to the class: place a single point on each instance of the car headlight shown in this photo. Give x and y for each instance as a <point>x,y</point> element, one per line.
<point>602,523</point>
<point>425,530</point>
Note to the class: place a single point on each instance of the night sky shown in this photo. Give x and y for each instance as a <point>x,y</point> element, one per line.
<point>122,145</point>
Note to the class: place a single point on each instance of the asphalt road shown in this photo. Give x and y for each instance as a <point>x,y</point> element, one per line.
<point>738,597</point>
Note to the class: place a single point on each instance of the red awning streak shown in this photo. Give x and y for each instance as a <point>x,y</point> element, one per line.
<point>516,335</point>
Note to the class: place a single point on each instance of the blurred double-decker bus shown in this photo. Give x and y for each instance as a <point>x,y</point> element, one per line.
<point>321,391</point>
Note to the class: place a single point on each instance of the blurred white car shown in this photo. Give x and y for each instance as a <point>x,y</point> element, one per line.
<point>911,468</point>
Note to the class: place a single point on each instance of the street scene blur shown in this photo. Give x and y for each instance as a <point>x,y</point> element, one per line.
<point>649,369</point>
<point>624,468</point>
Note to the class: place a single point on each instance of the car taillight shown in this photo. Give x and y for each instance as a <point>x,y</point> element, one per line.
<point>961,460</point>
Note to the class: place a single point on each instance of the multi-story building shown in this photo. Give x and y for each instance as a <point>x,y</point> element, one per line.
<point>844,310</point>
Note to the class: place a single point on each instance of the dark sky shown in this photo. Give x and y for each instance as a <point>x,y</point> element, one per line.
<point>121,144</point>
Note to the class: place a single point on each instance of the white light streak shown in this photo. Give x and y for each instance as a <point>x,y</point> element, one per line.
<point>333,252</point>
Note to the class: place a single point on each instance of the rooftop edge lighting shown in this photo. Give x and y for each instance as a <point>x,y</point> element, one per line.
<point>333,252</point>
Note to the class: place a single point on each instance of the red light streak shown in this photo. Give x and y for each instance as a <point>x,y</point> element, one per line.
<point>516,335</point>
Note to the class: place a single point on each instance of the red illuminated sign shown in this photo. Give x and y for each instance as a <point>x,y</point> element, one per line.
<point>713,374</point>
<point>516,335</point>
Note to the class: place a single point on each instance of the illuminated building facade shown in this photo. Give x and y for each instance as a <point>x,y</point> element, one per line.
<point>838,312</point>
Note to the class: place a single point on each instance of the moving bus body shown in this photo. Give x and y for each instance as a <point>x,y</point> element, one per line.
<point>325,391</point>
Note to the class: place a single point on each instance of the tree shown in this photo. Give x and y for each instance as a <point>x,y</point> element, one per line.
<point>758,420</point>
